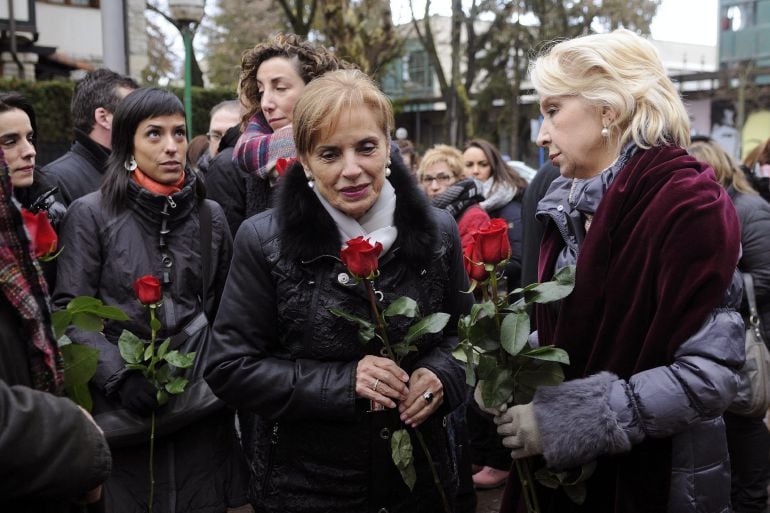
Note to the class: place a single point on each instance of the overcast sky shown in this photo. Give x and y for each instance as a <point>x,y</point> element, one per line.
<point>685,21</point>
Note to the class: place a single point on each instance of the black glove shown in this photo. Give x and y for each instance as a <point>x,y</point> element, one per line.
<point>137,394</point>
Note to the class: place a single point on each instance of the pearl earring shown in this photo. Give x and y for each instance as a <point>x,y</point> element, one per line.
<point>605,132</point>
<point>387,168</point>
<point>130,164</point>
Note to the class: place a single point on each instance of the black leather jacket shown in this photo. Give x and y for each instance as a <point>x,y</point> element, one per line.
<point>278,351</point>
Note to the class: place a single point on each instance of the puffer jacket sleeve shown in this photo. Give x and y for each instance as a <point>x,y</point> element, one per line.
<point>49,447</point>
<point>222,245</point>
<point>754,213</point>
<point>582,419</point>
<point>243,369</point>
<point>79,274</point>
<point>457,303</point>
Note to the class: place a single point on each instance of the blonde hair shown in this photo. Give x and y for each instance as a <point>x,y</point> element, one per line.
<point>726,169</point>
<point>449,155</point>
<point>323,100</point>
<point>622,71</point>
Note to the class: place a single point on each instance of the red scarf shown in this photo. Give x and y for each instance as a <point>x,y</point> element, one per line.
<point>151,185</point>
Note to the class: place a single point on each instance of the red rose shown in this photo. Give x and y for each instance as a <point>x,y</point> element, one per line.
<point>41,234</point>
<point>147,290</point>
<point>360,257</point>
<point>473,263</point>
<point>492,242</point>
<point>281,165</point>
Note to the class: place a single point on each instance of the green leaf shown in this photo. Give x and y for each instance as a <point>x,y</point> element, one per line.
<point>365,328</point>
<point>402,349</point>
<point>137,366</point>
<point>83,304</point>
<point>79,363</point>
<point>514,332</point>
<point>487,366</point>
<point>163,348</point>
<point>405,306</point>
<point>63,341</point>
<point>80,394</point>
<point>432,323</point>
<point>180,360</point>
<point>548,353</point>
<point>498,389</point>
<point>111,312</point>
<point>131,348</point>
<point>161,396</point>
<point>560,287</point>
<point>148,352</point>
<point>483,309</point>
<point>401,452</point>
<point>87,321</point>
<point>155,324</point>
<point>538,374</point>
<point>176,385</point>
<point>464,353</point>
<point>525,289</point>
<point>163,373</point>
<point>60,320</point>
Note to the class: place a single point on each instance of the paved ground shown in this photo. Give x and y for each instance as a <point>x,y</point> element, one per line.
<point>488,500</point>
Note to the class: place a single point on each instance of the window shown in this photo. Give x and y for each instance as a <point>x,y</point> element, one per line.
<point>78,3</point>
<point>418,70</point>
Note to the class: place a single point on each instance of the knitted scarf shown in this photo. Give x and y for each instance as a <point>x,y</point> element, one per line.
<point>458,197</point>
<point>259,147</point>
<point>23,285</point>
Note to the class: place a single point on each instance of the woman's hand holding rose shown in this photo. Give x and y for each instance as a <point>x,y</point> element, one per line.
<point>415,409</point>
<point>381,380</point>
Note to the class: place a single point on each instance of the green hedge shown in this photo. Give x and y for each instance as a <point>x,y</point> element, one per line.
<point>52,105</point>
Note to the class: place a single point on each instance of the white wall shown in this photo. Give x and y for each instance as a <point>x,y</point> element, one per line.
<point>75,31</point>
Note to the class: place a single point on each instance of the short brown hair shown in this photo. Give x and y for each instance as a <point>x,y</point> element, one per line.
<point>311,61</point>
<point>325,98</point>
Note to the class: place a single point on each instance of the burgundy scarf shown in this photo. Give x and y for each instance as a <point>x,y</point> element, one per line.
<point>657,260</point>
<point>23,285</point>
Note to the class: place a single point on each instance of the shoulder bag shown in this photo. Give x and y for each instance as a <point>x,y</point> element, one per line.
<point>753,397</point>
<point>124,428</point>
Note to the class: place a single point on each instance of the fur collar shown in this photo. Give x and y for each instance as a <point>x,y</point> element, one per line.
<point>307,231</point>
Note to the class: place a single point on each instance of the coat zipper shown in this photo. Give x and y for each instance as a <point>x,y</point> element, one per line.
<point>270,454</point>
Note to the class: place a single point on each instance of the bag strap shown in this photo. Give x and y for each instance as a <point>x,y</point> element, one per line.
<point>204,217</point>
<point>200,320</point>
<point>748,287</point>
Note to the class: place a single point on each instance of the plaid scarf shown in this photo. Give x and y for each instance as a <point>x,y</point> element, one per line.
<point>458,197</point>
<point>258,148</point>
<point>22,284</point>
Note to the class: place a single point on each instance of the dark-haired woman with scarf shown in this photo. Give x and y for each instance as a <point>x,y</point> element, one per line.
<point>146,220</point>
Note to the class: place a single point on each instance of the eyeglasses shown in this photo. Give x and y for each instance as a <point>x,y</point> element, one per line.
<point>441,178</point>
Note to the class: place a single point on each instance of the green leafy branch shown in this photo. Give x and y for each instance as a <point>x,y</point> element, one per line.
<point>80,361</point>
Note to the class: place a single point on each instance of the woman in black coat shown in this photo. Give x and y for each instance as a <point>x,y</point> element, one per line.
<point>146,220</point>
<point>748,439</point>
<point>327,403</point>
<point>51,452</point>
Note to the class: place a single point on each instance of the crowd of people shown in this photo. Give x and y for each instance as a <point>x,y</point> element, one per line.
<point>298,410</point>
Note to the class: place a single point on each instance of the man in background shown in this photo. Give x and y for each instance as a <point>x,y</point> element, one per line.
<point>80,170</point>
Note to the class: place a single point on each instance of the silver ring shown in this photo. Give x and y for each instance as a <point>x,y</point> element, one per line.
<point>428,396</point>
<point>376,384</point>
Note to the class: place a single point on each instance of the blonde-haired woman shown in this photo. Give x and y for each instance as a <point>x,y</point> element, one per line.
<point>651,326</point>
<point>441,176</point>
<point>748,440</point>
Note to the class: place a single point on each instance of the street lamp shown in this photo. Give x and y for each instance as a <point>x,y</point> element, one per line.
<point>187,15</point>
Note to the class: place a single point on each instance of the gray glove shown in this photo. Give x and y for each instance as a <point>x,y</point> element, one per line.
<point>518,427</point>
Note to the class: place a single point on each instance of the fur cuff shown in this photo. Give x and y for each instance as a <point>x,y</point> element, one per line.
<point>576,423</point>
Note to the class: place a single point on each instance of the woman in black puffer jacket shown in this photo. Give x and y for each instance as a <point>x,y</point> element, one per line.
<point>146,220</point>
<point>748,439</point>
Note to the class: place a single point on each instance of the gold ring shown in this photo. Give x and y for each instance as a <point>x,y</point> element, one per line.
<point>376,384</point>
